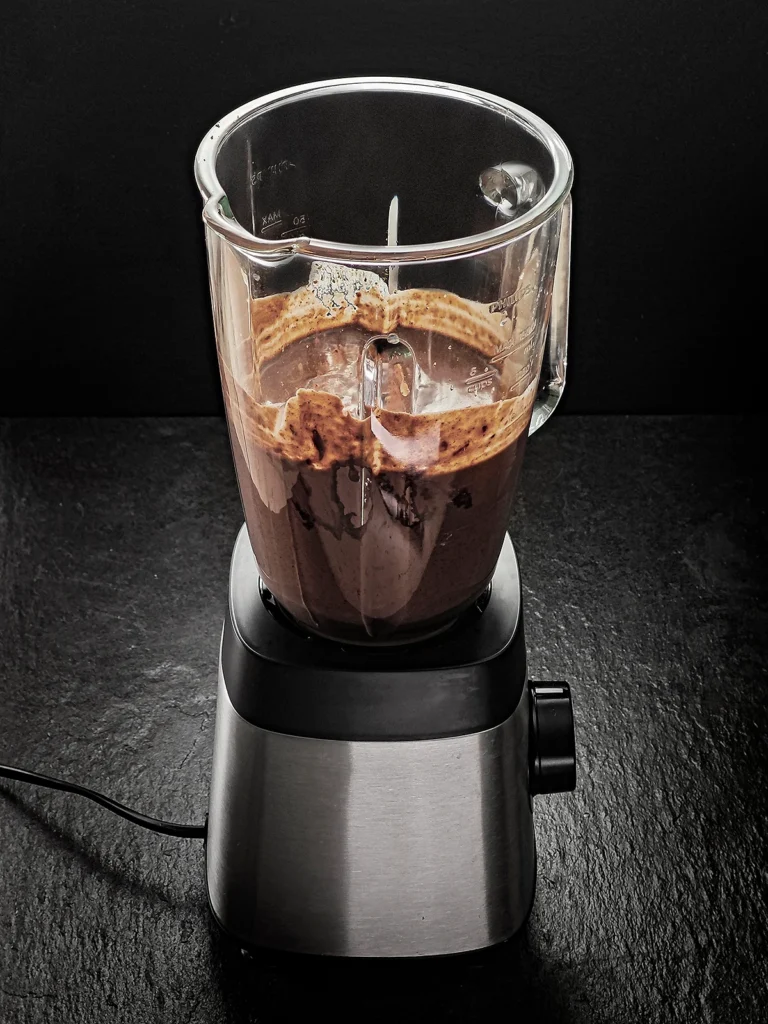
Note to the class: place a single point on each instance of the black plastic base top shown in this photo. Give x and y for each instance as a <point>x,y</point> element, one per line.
<point>280,678</point>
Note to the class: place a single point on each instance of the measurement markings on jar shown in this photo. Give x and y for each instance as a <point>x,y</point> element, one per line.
<point>298,224</point>
<point>502,354</point>
<point>524,375</point>
<point>508,301</point>
<point>268,174</point>
<point>272,220</point>
<point>477,382</point>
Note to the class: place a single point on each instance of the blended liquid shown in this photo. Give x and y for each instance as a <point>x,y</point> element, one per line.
<point>376,525</point>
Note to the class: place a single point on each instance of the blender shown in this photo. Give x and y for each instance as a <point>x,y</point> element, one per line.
<point>389,268</point>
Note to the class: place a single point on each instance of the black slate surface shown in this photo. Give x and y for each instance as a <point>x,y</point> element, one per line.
<point>643,550</point>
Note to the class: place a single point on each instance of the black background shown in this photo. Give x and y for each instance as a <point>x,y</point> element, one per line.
<point>102,264</point>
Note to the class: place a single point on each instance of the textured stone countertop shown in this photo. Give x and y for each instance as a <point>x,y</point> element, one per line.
<point>642,543</point>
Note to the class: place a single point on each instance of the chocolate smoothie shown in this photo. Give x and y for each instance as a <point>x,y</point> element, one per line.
<point>380,523</point>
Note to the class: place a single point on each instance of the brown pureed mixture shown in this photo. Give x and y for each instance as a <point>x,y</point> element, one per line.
<point>382,527</point>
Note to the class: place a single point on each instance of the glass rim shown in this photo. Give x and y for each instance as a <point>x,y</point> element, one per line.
<point>223,223</point>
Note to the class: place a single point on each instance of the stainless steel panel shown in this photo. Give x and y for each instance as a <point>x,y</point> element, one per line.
<point>400,848</point>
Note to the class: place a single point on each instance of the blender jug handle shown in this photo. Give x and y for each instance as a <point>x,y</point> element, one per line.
<point>554,361</point>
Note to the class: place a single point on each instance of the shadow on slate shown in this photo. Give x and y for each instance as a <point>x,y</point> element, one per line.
<point>72,847</point>
<point>509,978</point>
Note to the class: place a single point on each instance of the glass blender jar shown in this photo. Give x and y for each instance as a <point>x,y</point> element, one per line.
<point>389,265</point>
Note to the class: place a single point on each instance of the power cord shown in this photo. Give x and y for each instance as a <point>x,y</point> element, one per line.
<point>167,828</point>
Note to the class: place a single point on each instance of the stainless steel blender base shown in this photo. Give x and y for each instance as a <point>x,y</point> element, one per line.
<point>370,848</point>
<point>378,802</point>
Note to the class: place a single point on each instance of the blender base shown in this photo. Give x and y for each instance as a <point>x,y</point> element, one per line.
<point>406,848</point>
<point>374,804</point>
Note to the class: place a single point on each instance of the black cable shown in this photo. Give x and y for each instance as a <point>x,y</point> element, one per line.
<point>167,828</point>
